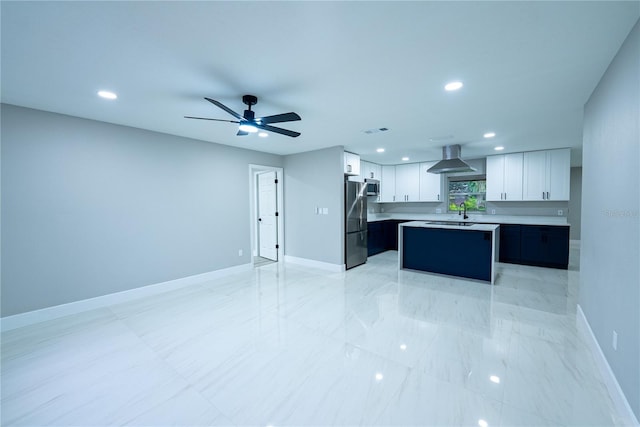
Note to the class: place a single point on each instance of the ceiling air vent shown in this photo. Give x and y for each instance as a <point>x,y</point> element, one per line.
<point>376,130</point>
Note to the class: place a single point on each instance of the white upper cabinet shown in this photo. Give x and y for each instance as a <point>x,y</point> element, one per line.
<point>547,175</point>
<point>351,164</point>
<point>370,170</point>
<point>408,182</point>
<point>504,177</point>
<point>430,183</point>
<point>364,167</point>
<point>375,172</point>
<point>388,184</point>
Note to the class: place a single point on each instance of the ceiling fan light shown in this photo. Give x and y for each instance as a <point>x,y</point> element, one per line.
<point>245,127</point>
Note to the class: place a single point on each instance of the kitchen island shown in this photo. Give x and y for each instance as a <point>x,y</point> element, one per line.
<point>453,248</point>
<point>541,241</point>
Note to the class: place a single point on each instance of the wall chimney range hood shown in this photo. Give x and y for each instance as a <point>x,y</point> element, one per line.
<point>451,161</point>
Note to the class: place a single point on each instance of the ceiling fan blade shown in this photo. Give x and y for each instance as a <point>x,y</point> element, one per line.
<point>215,120</point>
<point>225,108</point>
<point>279,118</point>
<point>281,131</point>
<point>242,133</point>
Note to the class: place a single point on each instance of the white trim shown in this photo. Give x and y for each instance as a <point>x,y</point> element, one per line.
<point>50,313</point>
<point>313,263</point>
<point>617,395</point>
<point>254,170</point>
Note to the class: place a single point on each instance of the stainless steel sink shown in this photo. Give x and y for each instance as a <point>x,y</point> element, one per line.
<point>461,223</point>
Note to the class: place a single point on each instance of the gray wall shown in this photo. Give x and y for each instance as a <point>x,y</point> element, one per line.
<point>610,272</point>
<point>575,204</point>
<point>315,178</point>
<point>90,208</point>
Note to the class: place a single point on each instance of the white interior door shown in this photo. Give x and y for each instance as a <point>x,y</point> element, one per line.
<point>267,215</point>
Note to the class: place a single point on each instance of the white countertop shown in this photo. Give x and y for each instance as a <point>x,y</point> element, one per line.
<point>474,227</point>
<point>478,218</point>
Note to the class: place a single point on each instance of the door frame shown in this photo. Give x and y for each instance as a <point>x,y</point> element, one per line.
<point>254,170</point>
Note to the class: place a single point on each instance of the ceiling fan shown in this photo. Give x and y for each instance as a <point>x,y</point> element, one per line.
<point>249,123</point>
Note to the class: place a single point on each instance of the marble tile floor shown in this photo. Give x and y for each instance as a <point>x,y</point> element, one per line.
<point>284,345</point>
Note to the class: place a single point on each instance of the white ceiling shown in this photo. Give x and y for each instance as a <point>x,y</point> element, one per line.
<point>527,67</point>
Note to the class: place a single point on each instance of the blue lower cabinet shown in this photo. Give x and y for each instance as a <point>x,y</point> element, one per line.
<point>453,252</point>
<point>545,246</point>
<point>383,236</point>
<point>510,243</point>
<point>375,238</point>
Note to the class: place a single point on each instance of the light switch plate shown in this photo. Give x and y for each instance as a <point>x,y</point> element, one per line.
<point>325,211</point>
<point>560,212</point>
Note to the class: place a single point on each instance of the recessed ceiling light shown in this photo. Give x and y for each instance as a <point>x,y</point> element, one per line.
<point>498,148</point>
<point>494,379</point>
<point>453,86</point>
<point>405,159</point>
<point>489,134</point>
<point>107,95</point>
<point>483,423</point>
<point>263,134</point>
<point>380,150</point>
<point>379,376</point>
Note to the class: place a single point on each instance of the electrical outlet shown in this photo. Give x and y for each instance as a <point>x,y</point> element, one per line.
<point>438,210</point>
<point>560,212</point>
<point>614,343</point>
<point>239,252</point>
<point>493,211</point>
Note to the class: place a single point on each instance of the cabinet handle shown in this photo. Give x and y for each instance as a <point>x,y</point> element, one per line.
<point>505,196</point>
<point>438,197</point>
<point>548,195</point>
<point>543,195</point>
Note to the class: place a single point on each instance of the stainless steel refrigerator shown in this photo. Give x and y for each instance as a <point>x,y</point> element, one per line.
<point>355,204</point>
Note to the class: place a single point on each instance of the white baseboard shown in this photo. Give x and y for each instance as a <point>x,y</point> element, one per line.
<point>24,319</point>
<point>619,399</point>
<point>315,264</point>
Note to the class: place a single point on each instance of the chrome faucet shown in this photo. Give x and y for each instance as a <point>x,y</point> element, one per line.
<point>464,207</point>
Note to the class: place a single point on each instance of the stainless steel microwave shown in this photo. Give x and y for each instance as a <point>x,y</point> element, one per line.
<point>373,187</point>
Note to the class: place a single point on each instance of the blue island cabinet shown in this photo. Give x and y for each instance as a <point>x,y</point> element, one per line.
<point>465,253</point>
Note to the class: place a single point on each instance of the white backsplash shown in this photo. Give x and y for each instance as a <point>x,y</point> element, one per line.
<point>500,208</point>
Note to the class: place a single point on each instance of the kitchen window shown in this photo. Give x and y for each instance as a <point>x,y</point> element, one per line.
<point>471,192</point>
